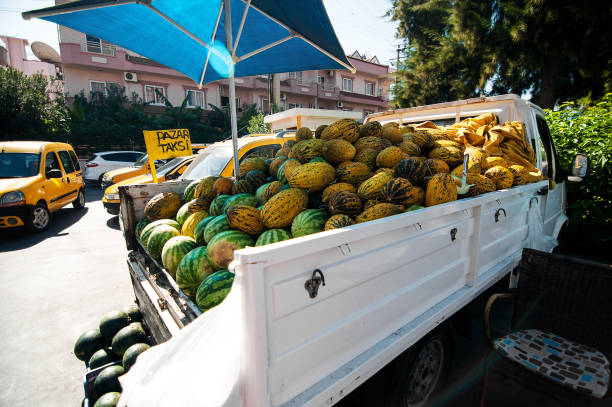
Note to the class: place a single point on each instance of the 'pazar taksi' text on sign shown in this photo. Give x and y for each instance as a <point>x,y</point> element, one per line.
<point>171,143</point>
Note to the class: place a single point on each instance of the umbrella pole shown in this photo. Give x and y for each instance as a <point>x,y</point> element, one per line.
<point>232,85</point>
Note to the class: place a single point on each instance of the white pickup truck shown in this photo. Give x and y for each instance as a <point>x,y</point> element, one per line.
<point>323,313</point>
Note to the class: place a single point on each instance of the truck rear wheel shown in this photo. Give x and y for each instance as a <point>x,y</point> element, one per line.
<point>421,369</point>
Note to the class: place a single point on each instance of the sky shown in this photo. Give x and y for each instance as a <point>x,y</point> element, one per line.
<point>359,25</point>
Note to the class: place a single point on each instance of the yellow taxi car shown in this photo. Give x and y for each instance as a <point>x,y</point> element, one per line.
<point>36,179</point>
<point>140,167</point>
<point>170,170</point>
<point>217,159</point>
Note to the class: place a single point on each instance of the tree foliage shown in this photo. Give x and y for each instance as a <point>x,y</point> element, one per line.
<point>257,124</point>
<point>551,49</point>
<point>587,129</point>
<point>31,107</point>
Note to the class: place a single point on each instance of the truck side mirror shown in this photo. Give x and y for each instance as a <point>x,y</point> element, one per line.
<point>580,165</point>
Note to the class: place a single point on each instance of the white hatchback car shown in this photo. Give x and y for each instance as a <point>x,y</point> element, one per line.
<point>105,161</point>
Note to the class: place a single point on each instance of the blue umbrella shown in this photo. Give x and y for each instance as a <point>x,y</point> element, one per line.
<point>194,37</point>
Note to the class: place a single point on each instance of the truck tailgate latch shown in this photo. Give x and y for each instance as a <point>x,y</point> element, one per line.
<point>312,285</point>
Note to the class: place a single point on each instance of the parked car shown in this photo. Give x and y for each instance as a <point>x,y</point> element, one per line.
<point>105,161</point>
<point>170,170</point>
<point>36,179</point>
<point>217,158</point>
<point>140,167</point>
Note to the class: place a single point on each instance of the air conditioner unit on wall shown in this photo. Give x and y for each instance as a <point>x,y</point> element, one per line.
<point>283,96</point>
<point>130,76</point>
<point>339,104</point>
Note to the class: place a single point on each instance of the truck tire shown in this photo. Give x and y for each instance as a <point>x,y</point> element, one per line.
<point>421,369</point>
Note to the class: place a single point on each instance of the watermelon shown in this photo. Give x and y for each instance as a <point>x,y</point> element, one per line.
<point>221,247</point>
<point>88,343</point>
<point>280,174</point>
<point>108,380</point>
<point>159,236</point>
<point>198,233</point>
<point>272,236</point>
<point>112,322</point>
<point>215,226</point>
<point>101,358</point>
<point>285,186</point>
<point>140,226</point>
<point>182,214</point>
<point>188,193</point>
<point>126,337</point>
<point>308,222</point>
<point>130,355</point>
<point>318,160</point>
<point>414,208</point>
<point>146,232</point>
<point>216,206</point>
<point>133,312</point>
<point>241,199</point>
<point>174,250</point>
<point>259,193</point>
<point>214,289</point>
<point>108,400</point>
<point>193,269</point>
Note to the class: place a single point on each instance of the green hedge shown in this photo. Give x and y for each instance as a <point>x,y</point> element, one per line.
<point>588,130</point>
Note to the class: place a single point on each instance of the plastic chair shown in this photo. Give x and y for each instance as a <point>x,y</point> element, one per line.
<point>561,340</point>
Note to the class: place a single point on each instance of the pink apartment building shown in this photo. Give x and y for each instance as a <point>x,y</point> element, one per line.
<point>90,64</point>
<point>13,53</point>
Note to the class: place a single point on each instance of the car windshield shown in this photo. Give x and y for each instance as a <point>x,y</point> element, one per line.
<point>209,162</point>
<point>140,162</point>
<point>19,165</point>
<point>169,166</point>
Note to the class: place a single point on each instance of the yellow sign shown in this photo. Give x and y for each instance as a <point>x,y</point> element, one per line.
<point>163,144</point>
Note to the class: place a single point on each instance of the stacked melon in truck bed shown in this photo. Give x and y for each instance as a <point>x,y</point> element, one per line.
<point>351,174</point>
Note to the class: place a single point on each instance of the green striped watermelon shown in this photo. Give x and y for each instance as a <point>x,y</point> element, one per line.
<point>318,160</point>
<point>221,247</point>
<point>216,206</point>
<point>214,289</point>
<point>146,232</point>
<point>240,199</point>
<point>198,233</point>
<point>272,236</point>
<point>308,222</point>
<point>182,214</point>
<point>140,226</point>
<point>160,235</point>
<point>192,270</point>
<point>280,174</point>
<point>260,191</point>
<point>188,193</point>
<point>174,250</point>
<point>217,225</point>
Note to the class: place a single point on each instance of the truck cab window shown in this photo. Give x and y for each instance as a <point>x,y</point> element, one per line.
<point>550,164</point>
<point>264,152</point>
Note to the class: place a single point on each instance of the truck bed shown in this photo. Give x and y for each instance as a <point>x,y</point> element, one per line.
<point>387,284</point>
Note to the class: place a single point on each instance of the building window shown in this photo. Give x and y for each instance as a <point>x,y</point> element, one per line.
<point>154,94</point>
<point>294,105</point>
<point>320,80</point>
<point>225,102</point>
<point>265,105</point>
<point>295,75</point>
<point>98,46</point>
<point>195,98</point>
<point>97,87</point>
<point>369,88</point>
<point>347,84</point>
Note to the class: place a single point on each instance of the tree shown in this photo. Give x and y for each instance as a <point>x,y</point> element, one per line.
<point>553,50</point>
<point>587,129</point>
<point>31,107</point>
<point>257,124</point>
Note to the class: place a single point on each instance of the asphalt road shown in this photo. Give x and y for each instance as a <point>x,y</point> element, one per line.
<point>56,285</point>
